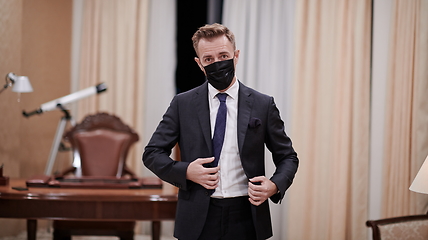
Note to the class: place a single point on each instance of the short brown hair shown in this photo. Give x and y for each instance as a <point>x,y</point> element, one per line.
<point>211,31</point>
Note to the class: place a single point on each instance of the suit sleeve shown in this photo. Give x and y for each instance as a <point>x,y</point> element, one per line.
<point>283,154</point>
<point>156,156</point>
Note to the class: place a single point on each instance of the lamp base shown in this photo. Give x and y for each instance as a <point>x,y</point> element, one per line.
<point>4,181</point>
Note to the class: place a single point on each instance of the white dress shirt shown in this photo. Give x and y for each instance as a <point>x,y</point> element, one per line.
<point>233,182</point>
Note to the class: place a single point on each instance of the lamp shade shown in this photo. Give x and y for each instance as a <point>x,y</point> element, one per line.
<point>420,183</point>
<point>22,84</point>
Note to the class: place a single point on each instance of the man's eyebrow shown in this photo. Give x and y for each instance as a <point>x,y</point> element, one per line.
<point>208,55</point>
<point>220,53</point>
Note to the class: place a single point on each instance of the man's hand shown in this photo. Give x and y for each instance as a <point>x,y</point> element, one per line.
<point>206,177</point>
<point>260,188</point>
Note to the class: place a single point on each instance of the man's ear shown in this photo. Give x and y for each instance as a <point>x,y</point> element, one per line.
<point>200,65</point>
<point>237,56</point>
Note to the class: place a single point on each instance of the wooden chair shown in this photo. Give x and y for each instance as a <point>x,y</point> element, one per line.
<point>412,227</point>
<point>102,142</point>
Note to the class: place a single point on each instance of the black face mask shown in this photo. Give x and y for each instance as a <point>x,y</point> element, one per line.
<point>220,74</point>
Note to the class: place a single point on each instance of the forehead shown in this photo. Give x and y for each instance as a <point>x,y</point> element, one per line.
<point>214,46</point>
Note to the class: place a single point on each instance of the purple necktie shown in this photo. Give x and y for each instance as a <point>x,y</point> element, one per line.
<point>220,127</point>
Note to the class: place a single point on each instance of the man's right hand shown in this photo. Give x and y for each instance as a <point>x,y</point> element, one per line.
<point>206,177</point>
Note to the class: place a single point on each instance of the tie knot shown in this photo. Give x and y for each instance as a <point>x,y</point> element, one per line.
<point>222,97</point>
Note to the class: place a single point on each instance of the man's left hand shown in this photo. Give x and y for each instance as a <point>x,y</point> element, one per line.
<point>260,189</point>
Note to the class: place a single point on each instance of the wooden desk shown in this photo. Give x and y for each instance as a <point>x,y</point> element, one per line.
<point>86,204</point>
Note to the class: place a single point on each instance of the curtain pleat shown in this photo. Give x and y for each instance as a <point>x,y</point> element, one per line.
<point>130,46</point>
<point>331,120</point>
<point>406,124</point>
<point>114,49</point>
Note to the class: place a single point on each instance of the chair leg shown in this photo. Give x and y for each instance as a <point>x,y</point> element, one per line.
<point>126,235</point>
<point>156,229</point>
<point>127,238</point>
<point>61,235</point>
<point>31,229</point>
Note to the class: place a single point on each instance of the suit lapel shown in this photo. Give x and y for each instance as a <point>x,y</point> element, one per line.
<point>200,101</point>
<point>245,103</point>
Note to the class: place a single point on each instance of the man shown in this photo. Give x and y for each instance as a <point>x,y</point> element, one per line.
<point>223,189</point>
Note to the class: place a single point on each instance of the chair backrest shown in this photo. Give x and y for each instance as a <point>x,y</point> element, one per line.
<point>412,227</point>
<point>102,141</point>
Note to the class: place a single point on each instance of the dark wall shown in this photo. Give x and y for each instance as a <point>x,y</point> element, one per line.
<point>191,14</point>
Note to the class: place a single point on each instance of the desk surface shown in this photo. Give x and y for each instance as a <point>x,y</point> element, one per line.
<point>86,204</point>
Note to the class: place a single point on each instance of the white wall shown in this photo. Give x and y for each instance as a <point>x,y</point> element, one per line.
<point>380,47</point>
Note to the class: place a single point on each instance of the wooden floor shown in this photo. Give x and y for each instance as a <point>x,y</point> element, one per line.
<point>45,235</point>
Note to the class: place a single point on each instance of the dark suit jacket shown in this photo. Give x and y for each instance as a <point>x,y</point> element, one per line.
<point>187,121</point>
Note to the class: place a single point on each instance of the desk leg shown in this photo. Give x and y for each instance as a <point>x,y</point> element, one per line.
<point>31,229</point>
<point>156,229</point>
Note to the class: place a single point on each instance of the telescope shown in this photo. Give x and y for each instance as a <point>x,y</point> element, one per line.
<point>59,102</point>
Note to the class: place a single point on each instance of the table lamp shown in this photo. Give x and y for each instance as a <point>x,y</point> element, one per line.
<point>20,83</point>
<point>420,183</point>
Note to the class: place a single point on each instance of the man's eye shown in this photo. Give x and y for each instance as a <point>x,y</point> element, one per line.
<point>224,56</point>
<point>207,59</point>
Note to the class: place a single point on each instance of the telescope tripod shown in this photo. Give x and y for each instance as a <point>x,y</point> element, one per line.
<point>58,137</point>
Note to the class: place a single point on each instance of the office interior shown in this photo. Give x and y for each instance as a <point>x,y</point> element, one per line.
<point>347,174</point>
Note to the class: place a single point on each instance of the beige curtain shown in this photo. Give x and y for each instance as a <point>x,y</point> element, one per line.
<point>113,51</point>
<point>406,126</point>
<point>330,125</point>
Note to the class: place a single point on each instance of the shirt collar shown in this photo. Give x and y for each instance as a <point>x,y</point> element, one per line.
<point>232,91</point>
